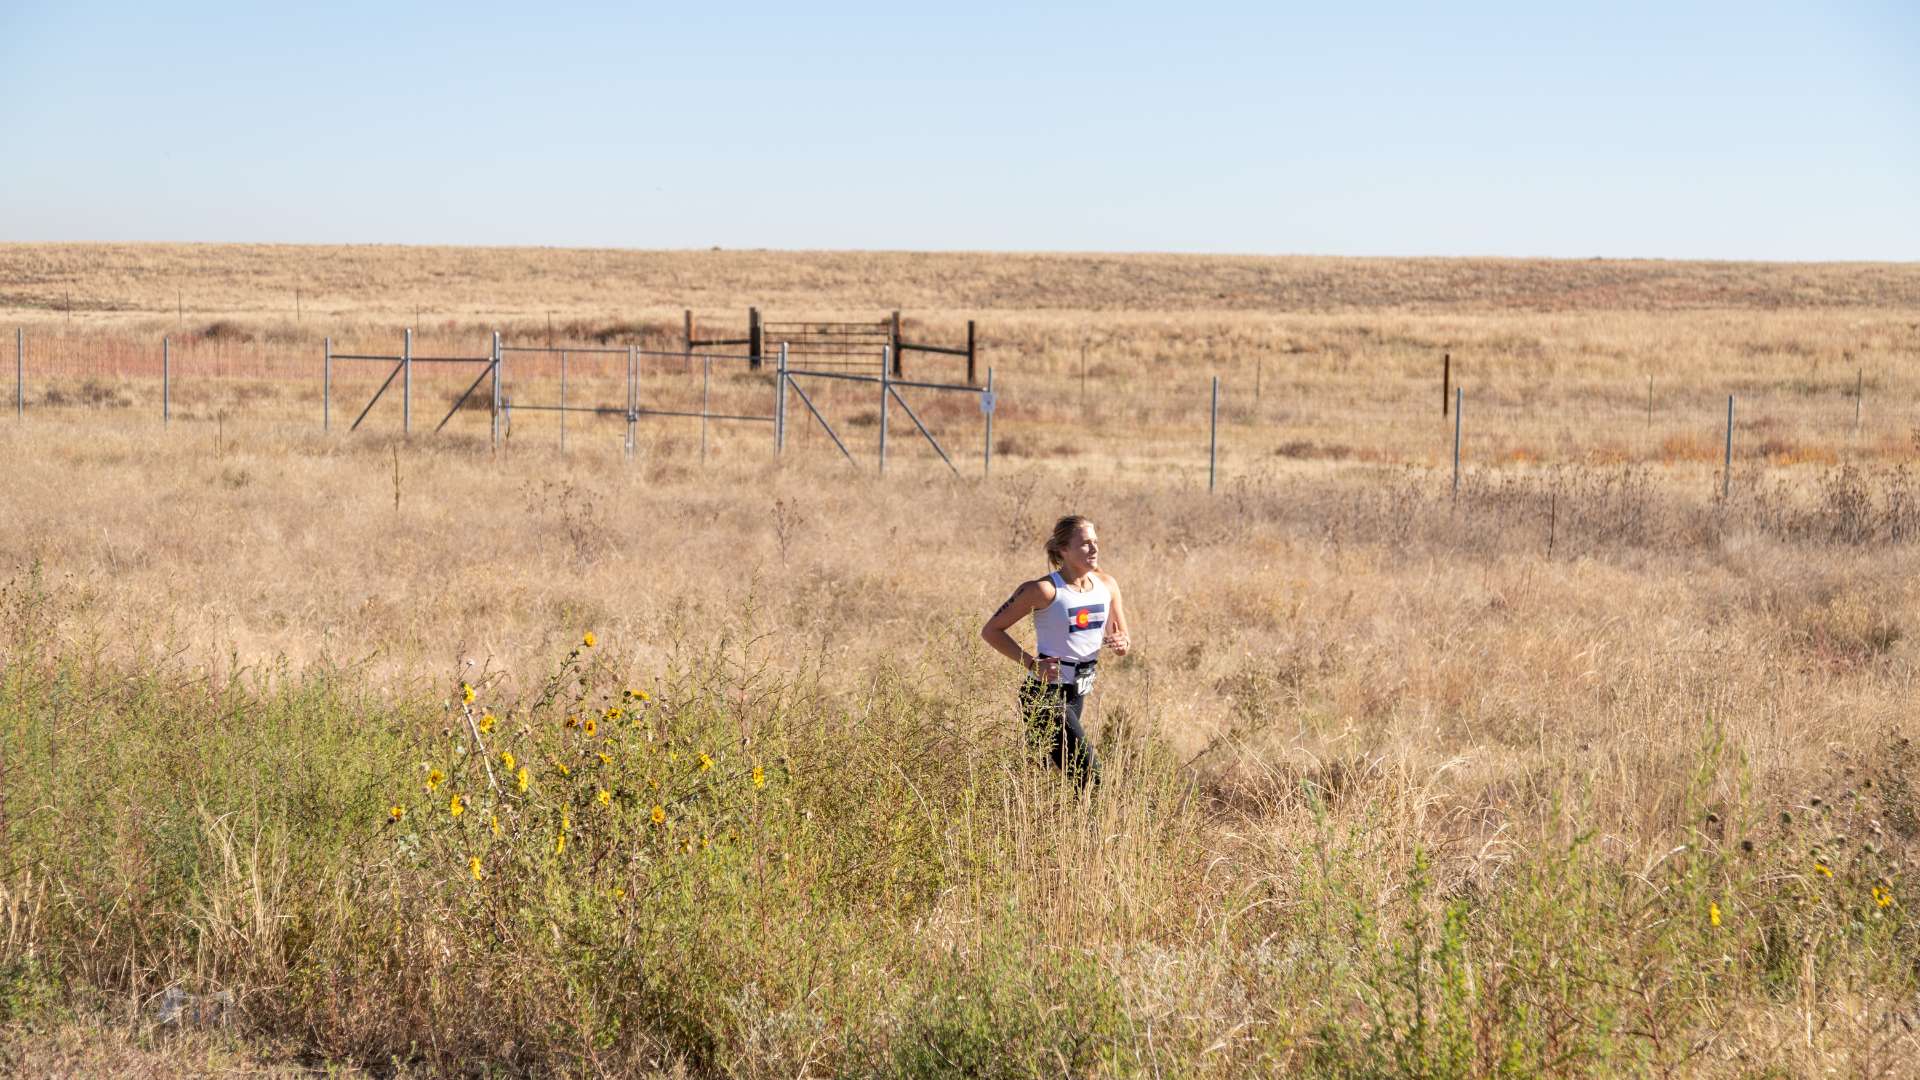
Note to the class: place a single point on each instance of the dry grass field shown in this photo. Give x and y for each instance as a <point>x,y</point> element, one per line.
<point>1584,770</point>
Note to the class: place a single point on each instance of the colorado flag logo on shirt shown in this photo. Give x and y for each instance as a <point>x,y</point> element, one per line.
<point>1090,617</point>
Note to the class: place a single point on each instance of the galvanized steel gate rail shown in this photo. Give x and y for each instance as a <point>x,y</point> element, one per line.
<point>633,410</point>
<point>501,408</point>
<point>785,379</point>
<point>403,370</point>
<point>889,390</point>
<point>563,408</point>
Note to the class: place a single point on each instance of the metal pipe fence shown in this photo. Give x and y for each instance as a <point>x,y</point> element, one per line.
<point>889,396</point>
<point>1746,425</point>
<point>529,372</point>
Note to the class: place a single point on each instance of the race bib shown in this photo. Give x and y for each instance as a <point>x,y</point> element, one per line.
<point>1083,682</point>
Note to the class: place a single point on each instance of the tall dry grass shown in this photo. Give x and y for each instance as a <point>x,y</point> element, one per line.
<point>1582,771</point>
<point>1358,706</point>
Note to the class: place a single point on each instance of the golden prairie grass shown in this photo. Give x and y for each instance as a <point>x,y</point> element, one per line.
<point>1583,771</point>
<point>118,282</point>
<point>1104,360</point>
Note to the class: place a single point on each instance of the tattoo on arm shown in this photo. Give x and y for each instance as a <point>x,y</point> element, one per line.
<point>1002,609</point>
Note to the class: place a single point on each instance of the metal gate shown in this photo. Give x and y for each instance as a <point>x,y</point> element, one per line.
<point>889,393</point>
<point>633,409</point>
<point>403,370</point>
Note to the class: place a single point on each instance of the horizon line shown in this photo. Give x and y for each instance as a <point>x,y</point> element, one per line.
<point>719,249</point>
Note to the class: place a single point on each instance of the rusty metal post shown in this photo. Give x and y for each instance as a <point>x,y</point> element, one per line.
<point>971,353</point>
<point>753,338</point>
<point>326,386</point>
<point>1446,381</point>
<point>166,381</point>
<point>896,345</point>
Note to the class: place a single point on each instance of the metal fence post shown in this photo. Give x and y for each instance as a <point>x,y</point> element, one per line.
<point>706,395</point>
<point>406,385</point>
<point>1726,467</point>
<point>563,402</point>
<point>496,392</point>
<point>20,373</point>
<point>1459,400</point>
<point>886,353</point>
<point>986,460</point>
<point>326,386</point>
<point>1213,435</point>
<point>780,405</point>
<point>896,345</point>
<point>166,381</point>
<point>633,365</point>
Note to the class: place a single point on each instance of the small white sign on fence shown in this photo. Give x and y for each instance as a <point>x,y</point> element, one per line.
<point>986,401</point>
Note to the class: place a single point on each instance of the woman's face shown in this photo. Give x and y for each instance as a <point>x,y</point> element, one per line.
<point>1082,552</point>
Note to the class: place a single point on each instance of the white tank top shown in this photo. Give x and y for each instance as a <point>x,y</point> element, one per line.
<point>1074,625</point>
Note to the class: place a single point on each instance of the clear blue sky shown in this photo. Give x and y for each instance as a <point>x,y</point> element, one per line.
<point>1725,130</point>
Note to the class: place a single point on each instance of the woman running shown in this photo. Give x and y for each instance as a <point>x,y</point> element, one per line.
<point>1076,609</point>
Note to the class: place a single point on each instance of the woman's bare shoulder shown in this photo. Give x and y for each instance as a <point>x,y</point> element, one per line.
<point>1108,580</point>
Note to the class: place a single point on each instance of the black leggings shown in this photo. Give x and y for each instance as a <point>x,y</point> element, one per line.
<point>1053,726</point>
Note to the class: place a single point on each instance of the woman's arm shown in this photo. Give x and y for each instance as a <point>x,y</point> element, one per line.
<point>1026,599</point>
<point>1117,638</point>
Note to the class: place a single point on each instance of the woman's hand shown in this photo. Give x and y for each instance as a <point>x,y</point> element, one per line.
<point>1046,669</point>
<point>1117,638</point>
